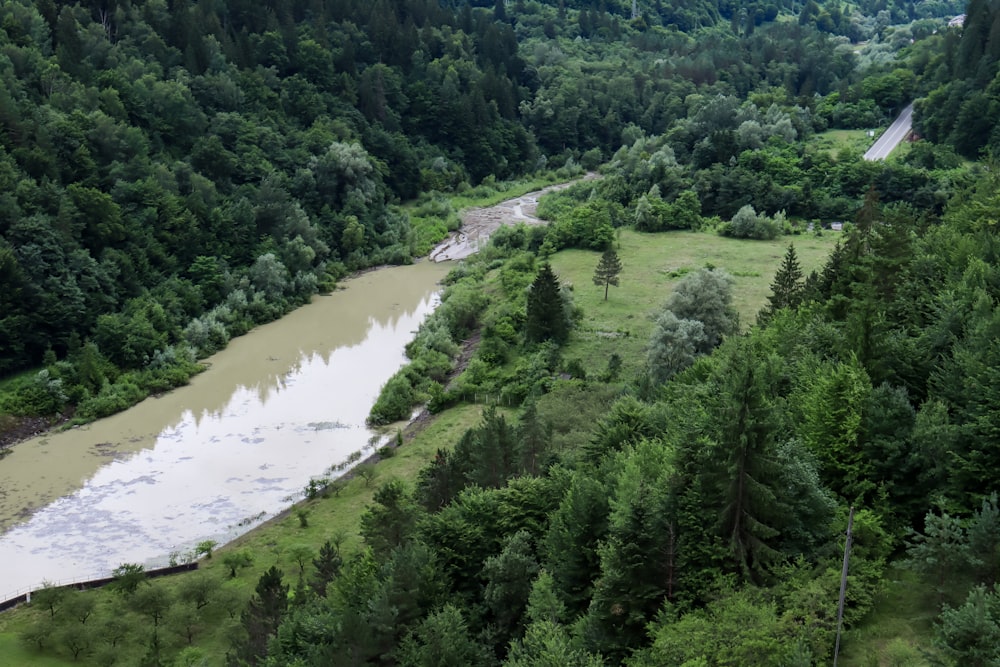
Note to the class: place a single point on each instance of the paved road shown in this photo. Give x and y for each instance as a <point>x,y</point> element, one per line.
<point>891,138</point>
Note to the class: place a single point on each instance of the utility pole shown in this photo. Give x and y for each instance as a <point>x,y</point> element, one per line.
<point>843,584</point>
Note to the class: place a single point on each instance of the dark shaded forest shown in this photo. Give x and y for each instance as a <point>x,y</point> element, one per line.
<point>175,174</point>
<point>960,101</point>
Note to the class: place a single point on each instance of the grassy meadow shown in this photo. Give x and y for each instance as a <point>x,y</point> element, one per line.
<point>652,264</point>
<point>834,141</point>
<point>898,630</point>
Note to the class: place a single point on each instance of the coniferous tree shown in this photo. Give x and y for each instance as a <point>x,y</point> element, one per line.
<point>496,455</point>
<point>746,468</point>
<point>327,564</point>
<point>635,561</point>
<point>260,620</point>
<point>570,546</point>
<point>535,437</point>
<point>508,577</point>
<point>443,638</point>
<point>970,634</point>
<point>608,270</point>
<point>389,521</point>
<point>787,287</point>
<point>546,317</point>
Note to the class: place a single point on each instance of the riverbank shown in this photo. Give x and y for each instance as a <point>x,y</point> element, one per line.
<point>278,542</point>
<point>472,206</point>
<point>31,482</point>
<point>206,461</point>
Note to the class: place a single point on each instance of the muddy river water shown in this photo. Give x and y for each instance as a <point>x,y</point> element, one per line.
<point>211,460</point>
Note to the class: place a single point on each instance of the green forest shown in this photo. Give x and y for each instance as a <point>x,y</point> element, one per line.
<point>609,479</point>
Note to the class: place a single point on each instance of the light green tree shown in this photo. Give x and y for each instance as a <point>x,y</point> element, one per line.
<point>674,345</point>
<point>706,295</point>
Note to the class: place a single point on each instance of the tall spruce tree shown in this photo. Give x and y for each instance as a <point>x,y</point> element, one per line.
<point>745,469</point>
<point>546,317</point>
<point>260,620</point>
<point>787,287</point>
<point>608,270</point>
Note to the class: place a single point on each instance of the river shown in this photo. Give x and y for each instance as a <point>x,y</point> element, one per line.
<point>211,460</point>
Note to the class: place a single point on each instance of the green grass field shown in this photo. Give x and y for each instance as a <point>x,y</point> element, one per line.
<point>652,264</point>
<point>833,141</point>
<point>898,631</point>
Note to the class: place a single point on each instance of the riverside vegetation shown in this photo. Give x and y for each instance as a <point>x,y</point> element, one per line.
<point>665,488</point>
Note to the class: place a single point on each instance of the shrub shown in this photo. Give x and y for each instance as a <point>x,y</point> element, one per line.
<point>127,578</point>
<point>205,548</point>
<point>111,399</point>
<point>748,224</point>
<point>42,395</point>
<point>440,399</point>
<point>315,487</point>
<point>461,307</point>
<point>394,402</point>
<point>432,335</point>
<point>431,366</point>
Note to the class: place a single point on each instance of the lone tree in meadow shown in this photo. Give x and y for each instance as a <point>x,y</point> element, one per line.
<point>607,270</point>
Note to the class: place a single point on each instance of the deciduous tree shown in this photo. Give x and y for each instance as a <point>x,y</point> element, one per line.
<point>674,345</point>
<point>706,296</point>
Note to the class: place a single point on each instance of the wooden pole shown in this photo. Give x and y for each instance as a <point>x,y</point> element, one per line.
<point>843,584</point>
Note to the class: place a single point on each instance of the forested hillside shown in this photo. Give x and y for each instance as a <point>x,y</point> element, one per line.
<point>175,173</point>
<point>961,81</point>
<point>700,520</point>
<point>159,162</point>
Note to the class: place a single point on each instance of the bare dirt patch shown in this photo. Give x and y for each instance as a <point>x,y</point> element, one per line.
<point>478,224</point>
<point>17,429</point>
